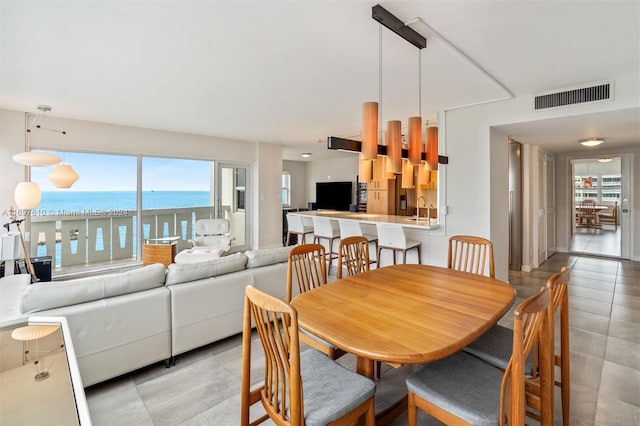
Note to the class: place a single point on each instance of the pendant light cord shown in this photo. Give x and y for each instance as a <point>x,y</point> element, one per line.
<point>380,82</point>
<point>419,82</point>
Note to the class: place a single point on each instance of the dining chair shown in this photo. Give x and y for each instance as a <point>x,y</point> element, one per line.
<point>353,255</point>
<point>323,229</point>
<point>609,217</point>
<point>307,266</point>
<point>351,228</point>
<point>462,389</point>
<point>587,216</point>
<point>299,388</point>
<point>295,226</point>
<point>471,254</point>
<point>392,237</point>
<point>495,346</point>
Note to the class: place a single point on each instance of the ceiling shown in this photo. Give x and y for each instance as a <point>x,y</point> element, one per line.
<point>295,72</point>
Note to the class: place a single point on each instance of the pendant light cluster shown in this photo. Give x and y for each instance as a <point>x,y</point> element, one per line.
<point>27,195</point>
<point>395,163</point>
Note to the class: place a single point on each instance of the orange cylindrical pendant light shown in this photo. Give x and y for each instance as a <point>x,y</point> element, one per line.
<point>369,130</point>
<point>365,170</point>
<point>415,140</point>
<point>407,174</point>
<point>432,148</point>
<point>394,146</point>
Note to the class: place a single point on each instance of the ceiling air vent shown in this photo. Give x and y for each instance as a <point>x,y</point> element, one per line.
<point>575,96</point>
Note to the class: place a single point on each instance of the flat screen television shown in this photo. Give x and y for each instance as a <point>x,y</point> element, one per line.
<point>333,195</point>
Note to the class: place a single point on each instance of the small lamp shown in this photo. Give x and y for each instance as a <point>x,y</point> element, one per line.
<point>27,195</point>
<point>29,333</point>
<point>63,176</point>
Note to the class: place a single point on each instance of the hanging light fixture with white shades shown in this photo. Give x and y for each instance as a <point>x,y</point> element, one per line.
<point>37,158</point>
<point>27,195</point>
<point>63,175</point>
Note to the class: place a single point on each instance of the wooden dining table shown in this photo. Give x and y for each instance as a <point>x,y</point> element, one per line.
<point>403,314</point>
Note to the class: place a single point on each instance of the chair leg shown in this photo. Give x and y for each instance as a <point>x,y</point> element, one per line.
<point>419,255</point>
<point>412,410</point>
<point>378,251</point>
<point>394,256</point>
<point>404,257</point>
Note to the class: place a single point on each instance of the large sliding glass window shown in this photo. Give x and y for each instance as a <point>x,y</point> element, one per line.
<point>94,224</point>
<point>175,193</point>
<point>94,221</point>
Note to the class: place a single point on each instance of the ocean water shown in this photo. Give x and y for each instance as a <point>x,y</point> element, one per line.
<point>78,201</point>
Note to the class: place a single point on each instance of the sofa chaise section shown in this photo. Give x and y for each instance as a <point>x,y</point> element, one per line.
<point>118,322</point>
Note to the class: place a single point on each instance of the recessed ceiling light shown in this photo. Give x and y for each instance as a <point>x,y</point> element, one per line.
<point>591,142</point>
<point>605,160</point>
<point>306,154</point>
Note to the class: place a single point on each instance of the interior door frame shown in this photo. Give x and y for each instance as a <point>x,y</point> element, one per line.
<point>626,191</point>
<point>219,211</point>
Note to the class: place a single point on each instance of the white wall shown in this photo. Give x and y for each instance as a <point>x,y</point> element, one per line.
<point>477,171</point>
<point>333,170</point>
<point>298,172</point>
<point>86,136</point>
<point>268,215</point>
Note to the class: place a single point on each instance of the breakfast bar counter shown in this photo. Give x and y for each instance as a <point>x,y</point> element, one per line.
<point>370,218</point>
<point>418,230</point>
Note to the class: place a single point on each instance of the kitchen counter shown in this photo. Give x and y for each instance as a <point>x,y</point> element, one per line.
<point>428,235</point>
<point>405,221</point>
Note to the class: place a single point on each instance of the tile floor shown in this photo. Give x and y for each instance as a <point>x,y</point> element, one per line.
<point>603,242</point>
<point>203,388</point>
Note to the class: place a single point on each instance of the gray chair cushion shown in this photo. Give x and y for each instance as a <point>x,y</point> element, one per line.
<point>495,347</point>
<point>330,390</point>
<point>463,385</point>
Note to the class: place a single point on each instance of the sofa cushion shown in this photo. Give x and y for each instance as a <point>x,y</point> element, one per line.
<point>180,273</point>
<point>263,257</point>
<point>42,296</point>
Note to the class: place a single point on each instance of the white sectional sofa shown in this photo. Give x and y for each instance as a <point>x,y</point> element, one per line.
<point>123,321</point>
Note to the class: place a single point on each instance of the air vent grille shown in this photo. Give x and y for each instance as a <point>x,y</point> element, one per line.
<point>576,96</point>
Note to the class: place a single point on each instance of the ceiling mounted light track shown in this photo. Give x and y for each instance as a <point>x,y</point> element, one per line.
<point>386,18</point>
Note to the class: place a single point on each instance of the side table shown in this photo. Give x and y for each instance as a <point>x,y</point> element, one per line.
<point>159,250</point>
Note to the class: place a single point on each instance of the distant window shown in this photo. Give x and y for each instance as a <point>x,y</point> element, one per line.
<point>286,189</point>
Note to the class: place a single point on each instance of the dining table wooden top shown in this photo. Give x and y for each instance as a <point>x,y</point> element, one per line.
<point>404,314</point>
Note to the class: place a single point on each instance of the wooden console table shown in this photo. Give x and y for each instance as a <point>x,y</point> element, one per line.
<point>159,250</point>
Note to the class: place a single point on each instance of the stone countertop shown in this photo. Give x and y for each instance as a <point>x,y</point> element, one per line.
<point>406,221</point>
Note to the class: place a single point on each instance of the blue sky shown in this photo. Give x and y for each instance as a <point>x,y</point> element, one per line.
<point>100,172</point>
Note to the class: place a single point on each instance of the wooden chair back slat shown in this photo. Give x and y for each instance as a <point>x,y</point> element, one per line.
<point>353,255</point>
<point>471,254</point>
<point>307,265</point>
<point>530,329</point>
<point>276,323</point>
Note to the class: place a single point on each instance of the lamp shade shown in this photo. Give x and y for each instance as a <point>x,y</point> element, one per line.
<point>63,176</point>
<point>33,332</point>
<point>27,195</point>
<point>432,148</point>
<point>407,175</point>
<point>36,158</point>
<point>394,146</point>
<point>369,130</point>
<point>415,140</point>
<point>365,170</point>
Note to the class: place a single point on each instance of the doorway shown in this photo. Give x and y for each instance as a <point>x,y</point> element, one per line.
<point>233,201</point>
<point>597,191</point>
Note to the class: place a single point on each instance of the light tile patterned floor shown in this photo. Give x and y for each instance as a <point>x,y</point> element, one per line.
<point>203,387</point>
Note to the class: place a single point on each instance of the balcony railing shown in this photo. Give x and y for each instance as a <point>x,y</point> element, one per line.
<point>92,238</point>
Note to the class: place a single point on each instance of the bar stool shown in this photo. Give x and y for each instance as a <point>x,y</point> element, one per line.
<point>297,227</point>
<point>323,228</point>
<point>351,228</point>
<point>392,237</point>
